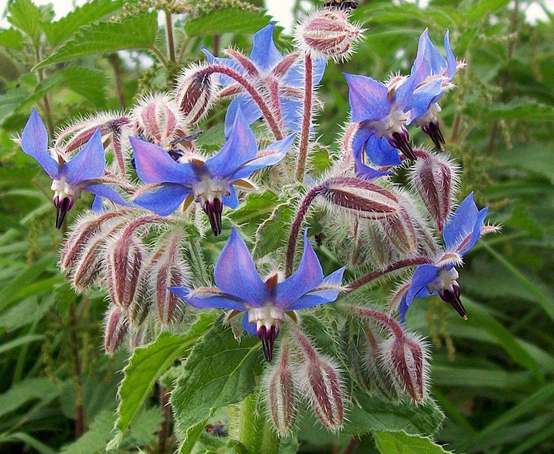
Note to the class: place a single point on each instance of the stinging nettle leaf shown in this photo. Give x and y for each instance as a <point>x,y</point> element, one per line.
<point>138,32</point>
<point>402,443</point>
<point>226,20</point>
<point>27,17</point>
<point>11,38</point>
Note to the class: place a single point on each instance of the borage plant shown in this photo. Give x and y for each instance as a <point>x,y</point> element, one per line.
<point>190,236</point>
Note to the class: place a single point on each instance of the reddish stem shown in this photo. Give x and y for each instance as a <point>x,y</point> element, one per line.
<point>306,118</point>
<point>256,96</point>
<point>166,420</point>
<point>379,317</point>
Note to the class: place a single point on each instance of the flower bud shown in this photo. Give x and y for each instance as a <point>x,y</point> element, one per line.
<point>435,178</point>
<point>158,118</point>
<point>116,328</point>
<point>359,197</point>
<point>382,254</point>
<point>318,379</point>
<point>400,229</point>
<point>281,395</point>
<point>140,307</point>
<point>405,359</point>
<point>377,377</point>
<point>124,261</point>
<point>327,33</point>
<point>194,94</point>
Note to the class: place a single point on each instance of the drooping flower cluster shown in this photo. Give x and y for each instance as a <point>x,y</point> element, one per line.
<point>153,253</point>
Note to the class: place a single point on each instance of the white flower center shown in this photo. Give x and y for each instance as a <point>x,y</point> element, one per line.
<point>208,189</point>
<point>394,122</point>
<point>62,189</point>
<point>429,116</point>
<point>445,281</point>
<point>267,316</point>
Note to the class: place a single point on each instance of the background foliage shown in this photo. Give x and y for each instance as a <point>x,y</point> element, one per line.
<point>492,375</point>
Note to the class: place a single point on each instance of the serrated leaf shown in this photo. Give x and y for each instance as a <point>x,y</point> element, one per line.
<point>88,83</point>
<point>10,101</point>
<point>148,364</point>
<point>192,434</point>
<point>226,20</point>
<point>90,12</point>
<point>219,371</point>
<point>137,32</point>
<point>27,17</point>
<point>256,208</point>
<point>96,438</point>
<point>402,443</point>
<point>274,231</point>
<point>379,414</point>
<point>11,38</point>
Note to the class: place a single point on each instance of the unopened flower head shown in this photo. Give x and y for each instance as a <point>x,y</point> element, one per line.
<point>70,178</point>
<point>115,329</point>
<point>264,304</point>
<point>328,34</point>
<point>194,94</point>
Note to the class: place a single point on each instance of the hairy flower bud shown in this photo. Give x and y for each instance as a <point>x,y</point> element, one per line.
<point>116,327</point>
<point>318,379</point>
<point>378,379</point>
<point>382,254</point>
<point>194,93</point>
<point>158,117</point>
<point>400,229</point>
<point>124,261</point>
<point>358,197</point>
<point>405,359</point>
<point>328,33</point>
<point>435,178</point>
<point>281,394</point>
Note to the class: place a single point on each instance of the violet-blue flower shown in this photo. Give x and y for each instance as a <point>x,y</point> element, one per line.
<point>266,65</point>
<point>210,182</point>
<point>460,234</point>
<point>82,173</point>
<point>263,304</point>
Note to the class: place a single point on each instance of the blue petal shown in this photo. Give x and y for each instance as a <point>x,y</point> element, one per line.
<point>208,302</point>
<point>34,142</point>
<point>163,200</point>
<point>231,200</point>
<point>239,148</point>
<point>264,53</point>
<point>436,61</point>
<point>476,234</point>
<point>88,164</point>
<point>322,296</point>
<point>450,58</point>
<point>250,328</point>
<point>292,110</point>
<point>247,106</point>
<point>275,153</point>
<point>295,75</point>
<point>461,224</point>
<point>97,205</point>
<point>154,165</point>
<point>423,275</point>
<point>221,79</point>
<point>307,277</point>
<point>423,97</point>
<point>402,309</point>
<point>381,153</point>
<point>103,190</point>
<point>368,98</point>
<point>404,93</point>
<point>235,273</point>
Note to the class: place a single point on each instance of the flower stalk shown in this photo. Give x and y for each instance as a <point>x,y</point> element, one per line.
<point>306,118</point>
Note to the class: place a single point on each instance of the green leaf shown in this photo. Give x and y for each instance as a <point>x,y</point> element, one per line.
<point>256,208</point>
<point>517,110</point>
<point>10,101</point>
<point>28,440</point>
<point>147,365</point>
<point>19,341</point>
<point>90,12</point>
<point>96,438</point>
<point>27,17</point>
<point>11,38</point>
<point>226,20</point>
<point>378,414</point>
<point>192,434</point>
<point>480,8</point>
<point>137,32</point>
<point>219,371</point>
<point>274,231</point>
<point>402,443</point>
<point>25,391</point>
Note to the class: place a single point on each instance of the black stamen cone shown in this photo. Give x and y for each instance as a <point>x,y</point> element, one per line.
<point>214,210</point>
<point>61,210</point>
<point>402,142</point>
<point>268,339</point>
<point>433,131</point>
<point>453,298</point>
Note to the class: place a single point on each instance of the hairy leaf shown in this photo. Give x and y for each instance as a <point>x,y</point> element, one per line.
<point>226,20</point>
<point>402,443</point>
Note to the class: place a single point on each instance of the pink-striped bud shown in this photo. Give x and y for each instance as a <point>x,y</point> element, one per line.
<point>400,229</point>
<point>380,251</point>
<point>328,33</point>
<point>116,327</point>
<point>84,230</point>
<point>358,197</point>
<point>281,394</point>
<point>405,359</point>
<point>319,380</point>
<point>435,178</point>
<point>378,379</point>
<point>124,260</point>
<point>158,117</point>
<point>194,93</point>
<point>141,306</point>
<point>169,270</point>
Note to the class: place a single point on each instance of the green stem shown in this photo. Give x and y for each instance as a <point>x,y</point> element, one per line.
<point>170,36</point>
<point>159,55</point>
<point>252,430</point>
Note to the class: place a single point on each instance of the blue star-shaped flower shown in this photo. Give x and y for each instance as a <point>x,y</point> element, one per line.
<point>70,179</point>
<point>267,66</point>
<point>460,234</point>
<point>209,182</point>
<point>264,304</point>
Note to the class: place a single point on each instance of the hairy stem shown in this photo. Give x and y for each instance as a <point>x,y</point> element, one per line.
<point>297,223</point>
<point>166,420</point>
<point>351,446</point>
<point>117,67</point>
<point>159,56</point>
<point>170,36</point>
<point>306,118</point>
<point>379,273</point>
<point>252,91</point>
